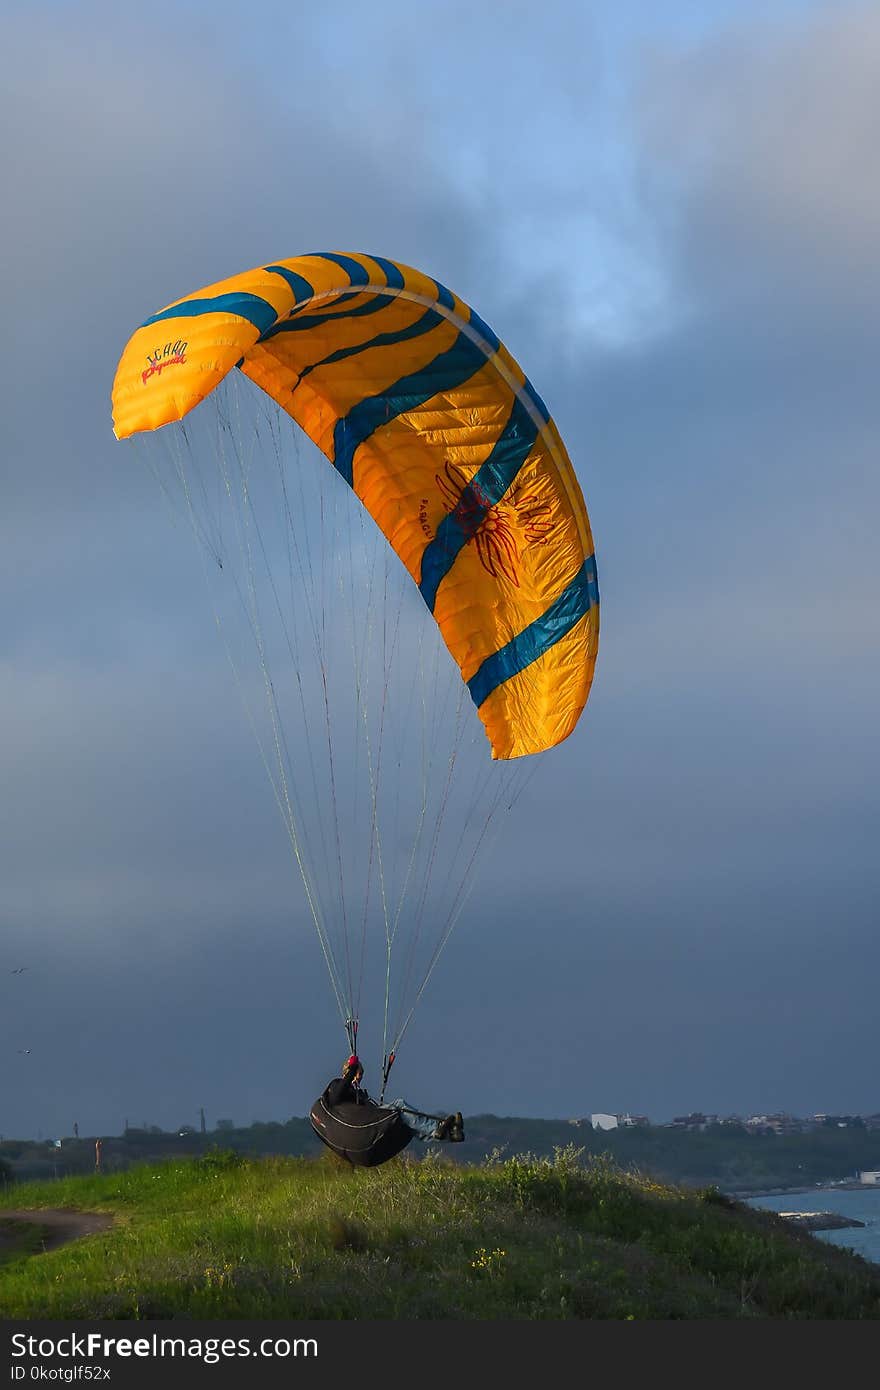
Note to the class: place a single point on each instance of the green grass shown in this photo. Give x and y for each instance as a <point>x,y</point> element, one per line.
<point>527,1237</point>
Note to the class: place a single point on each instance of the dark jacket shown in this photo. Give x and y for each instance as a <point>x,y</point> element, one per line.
<point>343,1091</point>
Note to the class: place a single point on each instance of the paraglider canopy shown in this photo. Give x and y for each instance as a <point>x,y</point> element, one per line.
<point>429,419</point>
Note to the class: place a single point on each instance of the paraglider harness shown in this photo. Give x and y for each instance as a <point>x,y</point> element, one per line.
<point>363,1131</point>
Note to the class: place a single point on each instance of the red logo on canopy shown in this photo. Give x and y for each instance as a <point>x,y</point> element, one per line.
<point>169,355</point>
<point>501,530</point>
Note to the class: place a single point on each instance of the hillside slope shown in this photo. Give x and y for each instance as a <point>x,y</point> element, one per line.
<point>522,1238</point>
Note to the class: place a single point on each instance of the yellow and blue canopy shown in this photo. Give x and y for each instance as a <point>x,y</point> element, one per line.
<point>435,427</point>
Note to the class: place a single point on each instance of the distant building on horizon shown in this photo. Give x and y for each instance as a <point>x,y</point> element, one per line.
<point>603,1121</point>
<point>775,1124</point>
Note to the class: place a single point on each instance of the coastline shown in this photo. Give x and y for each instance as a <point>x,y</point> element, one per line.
<point>840,1212</point>
<point>816,1188</point>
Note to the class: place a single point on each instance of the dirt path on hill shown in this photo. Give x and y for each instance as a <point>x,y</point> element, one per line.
<point>58,1227</point>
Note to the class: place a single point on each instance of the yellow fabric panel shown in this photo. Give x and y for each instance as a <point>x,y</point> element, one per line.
<point>188,357</point>
<point>155,384</point>
<point>542,696</point>
<point>436,428</point>
<point>560,465</point>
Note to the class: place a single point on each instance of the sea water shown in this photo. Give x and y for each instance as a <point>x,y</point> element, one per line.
<point>860,1204</point>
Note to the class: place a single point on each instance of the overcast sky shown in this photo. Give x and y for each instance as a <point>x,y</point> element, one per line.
<point>670,214</point>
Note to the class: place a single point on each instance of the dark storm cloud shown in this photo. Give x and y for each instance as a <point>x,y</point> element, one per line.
<point>770,187</point>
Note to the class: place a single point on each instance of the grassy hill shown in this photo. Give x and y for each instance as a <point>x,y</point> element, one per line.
<point>526,1237</point>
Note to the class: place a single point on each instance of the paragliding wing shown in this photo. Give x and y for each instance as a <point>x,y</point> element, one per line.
<point>422,410</point>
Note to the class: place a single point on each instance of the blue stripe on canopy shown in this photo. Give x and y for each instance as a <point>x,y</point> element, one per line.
<point>393,274</point>
<point>356,273</point>
<point>257,311</point>
<point>533,396</point>
<point>576,599</point>
<point>302,290</point>
<point>446,372</point>
<point>484,330</point>
<point>445,296</point>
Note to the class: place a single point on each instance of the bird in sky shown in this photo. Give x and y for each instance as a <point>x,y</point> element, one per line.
<point>25,1051</point>
<point>20,971</point>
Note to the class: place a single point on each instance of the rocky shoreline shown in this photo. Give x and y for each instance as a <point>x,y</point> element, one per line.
<point>819,1220</point>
